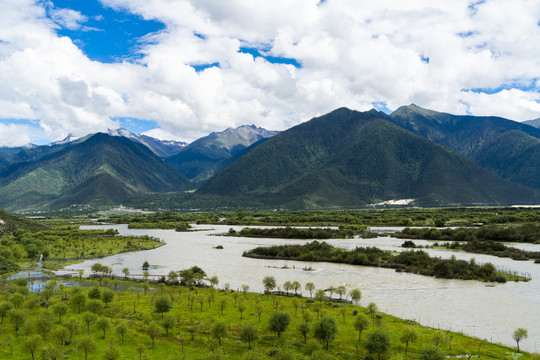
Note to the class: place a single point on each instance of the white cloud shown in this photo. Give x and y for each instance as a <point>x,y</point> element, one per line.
<point>14,135</point>
<point>352,54</point>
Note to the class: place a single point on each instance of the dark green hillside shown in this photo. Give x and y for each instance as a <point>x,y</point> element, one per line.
<point>514,156</point>
<point>201,159</point>
<point>9,222</point>
<point>348,158</point>
<point>489,141</point>
<point>100,170</point>
<point>465,134</point>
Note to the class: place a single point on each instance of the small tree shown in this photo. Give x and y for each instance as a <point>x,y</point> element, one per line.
<point>152,330</point>
<point>77,301</point>
<point>310,287</point>
<point>17,318</point>
<point>372,309</point>
<point>245,288</point>
<point>303,329</point>
<point>520,334</point>
<point>408,334</point>
<point>249,334</point>
<point>126,272</point>
<point>431,352</point>
<point>269,283</point>
<point>94,293</point>
<point>112,353</point>
<point>87,345</point>
<point>241,307</point>
<point>214,281</point>
<point>168,323</point>
<point>94,306</point>
<point>356,295</point>
<point>88,318</point>
<point>61,334</point>
<point>5,307</point>
<point>222,304</point>
<point>72,326</point>
<point>32,343</point>
<point>163,304</point>
<point>59,309</point>
<point>296,286</point>
<point>259,308</point>
<point>103,324</point>
<point>122,330</point>
<point>326,330</point>
<point>279,321</point>
<point>341,290</point>
<point>378,342</point>
<point>107,296</point>
<point>320,295</point>
<point>219,330</point>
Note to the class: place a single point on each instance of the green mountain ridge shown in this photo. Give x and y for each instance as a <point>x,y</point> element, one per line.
<point>348,158</point>
<point>477,137</point>
<point>201,159</point>
<point>101,170</point>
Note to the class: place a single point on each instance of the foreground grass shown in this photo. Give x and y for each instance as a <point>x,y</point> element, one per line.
<point>194,314</point>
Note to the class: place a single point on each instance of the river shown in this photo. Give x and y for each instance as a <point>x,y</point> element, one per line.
<point>489,311</point>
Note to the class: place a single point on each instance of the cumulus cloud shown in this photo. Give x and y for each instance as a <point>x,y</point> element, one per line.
<point>445,55</point>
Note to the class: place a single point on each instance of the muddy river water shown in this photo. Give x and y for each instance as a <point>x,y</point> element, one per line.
<point>489,311</point>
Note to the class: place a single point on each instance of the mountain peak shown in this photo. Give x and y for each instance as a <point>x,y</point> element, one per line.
<point>66,140</point>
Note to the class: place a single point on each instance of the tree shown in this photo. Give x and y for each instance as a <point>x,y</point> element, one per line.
<point>126,273</point>
<point>107,296</point>
<point>145,265</point>
<point>372,309</point>
<point>287,286</point>
<point>5,307</point>
<point>78,300</point>
<point>51,352</point>
<point>112,353</point>
<point>356,295</point>
<point>163,304</point>
<point>172,277</point>
<point>222,304</point>
<point>320,295</point>
<point>269,283</point>
<point>88,318</point>
<point>431,352</point>
<point>249,333</point>
<point>72,326</point>
<point>152,330</point>
<point>241,307</point>
<point>259,308</point>
<point>61,333</point>
<point>341,290</point>
<point>219,330</point>
<point>214,281</point>
<point>303,329</point>
<point>310,287</point>
<point>87,345</point>
<point>32,343</point>
<point>245,288</point>
<point>295,286</point>
<point>408,334</point>
<point>168,323</point>
<point>520,334</point>
<point>94,306</point>
<point>103,324</point>
<point>94,293</point>
<point>279,321</point>
<point>326,330</point>
<point>17,318</point>
<point>122,329</point>
<point>378,342</point>
<point>59,309</point>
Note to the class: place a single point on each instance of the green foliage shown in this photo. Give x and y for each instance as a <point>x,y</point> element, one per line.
<point>278,322</point>
<point>326,329</point>
<point>378,342</point>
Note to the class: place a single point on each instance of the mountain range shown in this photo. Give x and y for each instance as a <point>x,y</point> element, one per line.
<point>201,159</point>
<point>342,159</point>
<point>350,158</point>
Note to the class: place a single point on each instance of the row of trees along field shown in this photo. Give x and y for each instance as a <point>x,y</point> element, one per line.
<point>398,217</point>
<point>134,320</point>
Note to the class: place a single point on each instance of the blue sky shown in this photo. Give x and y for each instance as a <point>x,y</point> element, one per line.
<point>181,69</point>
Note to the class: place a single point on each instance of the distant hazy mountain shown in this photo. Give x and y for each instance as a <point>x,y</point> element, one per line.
<point>100,170</point>
<point>162,148</point>
<point>492,142</point>
<point>349,158</point>
<point>203,157</point>
<point>534,123</point>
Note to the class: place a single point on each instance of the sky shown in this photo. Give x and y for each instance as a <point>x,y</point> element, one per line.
<point>180,69</point>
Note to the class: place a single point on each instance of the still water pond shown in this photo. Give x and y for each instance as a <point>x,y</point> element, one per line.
<point>485,310</point>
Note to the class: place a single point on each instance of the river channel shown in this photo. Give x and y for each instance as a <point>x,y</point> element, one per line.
<point>488,311</point>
